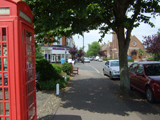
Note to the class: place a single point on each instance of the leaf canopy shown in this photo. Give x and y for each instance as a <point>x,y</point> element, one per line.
<point>69,17</point>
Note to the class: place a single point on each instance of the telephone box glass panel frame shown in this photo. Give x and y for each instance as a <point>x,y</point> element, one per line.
<point>4,79</point>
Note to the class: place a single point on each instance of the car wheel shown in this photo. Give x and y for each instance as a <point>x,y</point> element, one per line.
<point>111,77</point>
<point>103,72</point>
<point>149,94</point>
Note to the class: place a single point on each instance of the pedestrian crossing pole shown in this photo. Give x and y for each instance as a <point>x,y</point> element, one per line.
<point>83,47</point>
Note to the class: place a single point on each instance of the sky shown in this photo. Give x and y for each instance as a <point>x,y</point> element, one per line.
<point>139,32</point>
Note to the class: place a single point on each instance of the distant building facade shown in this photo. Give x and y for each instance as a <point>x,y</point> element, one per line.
<point>112,49</point>
<point>53,52</point>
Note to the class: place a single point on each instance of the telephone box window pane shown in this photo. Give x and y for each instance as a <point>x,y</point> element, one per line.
<point>29,75</point>
<point>0,65</point>
<point>0,49</point>
<point>30,87</point>
<point>28,37</point>
<point>30,100</point>
<point>0,34</point>
<point>0,79</point>
<point>4,34</point>
<point>1,118</point>
<point>7,118</point>
<point>4,49</point>
<point>29,49</point>
<point>1,94</point>
<point>5,64</point>
<point>5,79</point>
<point>31,113</point>
<point>7,108</point>
<point>1,108</point>
<point>6,94</point>
<point>29,62</point>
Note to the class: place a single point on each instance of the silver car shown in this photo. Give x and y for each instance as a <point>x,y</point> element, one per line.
<point>86,60</point>
<point>100,60</point>
<point>112,69</point>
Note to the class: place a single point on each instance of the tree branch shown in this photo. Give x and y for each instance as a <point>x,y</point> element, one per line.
<point>136,12</point>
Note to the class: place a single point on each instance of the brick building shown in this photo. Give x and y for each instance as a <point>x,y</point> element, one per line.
<point>113,50</point>
<point>53,52</point>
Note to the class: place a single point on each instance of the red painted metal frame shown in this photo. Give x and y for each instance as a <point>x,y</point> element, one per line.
<point>17,87</point>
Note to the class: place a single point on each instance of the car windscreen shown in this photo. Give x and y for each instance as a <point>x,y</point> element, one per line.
<point>114,63</point>
<point>152,69</point>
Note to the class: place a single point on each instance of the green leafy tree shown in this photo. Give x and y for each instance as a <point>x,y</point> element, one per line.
<point>68,17</point>
<point>93,48</point>
<point>38,53</point>
<point>141,52</point>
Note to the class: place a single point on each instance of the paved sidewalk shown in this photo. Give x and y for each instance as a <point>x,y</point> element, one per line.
<point>47,104</point>
<point>91,96</point>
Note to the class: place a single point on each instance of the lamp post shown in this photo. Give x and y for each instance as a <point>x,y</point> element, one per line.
<point>65,55</point>
<point>83,47</point>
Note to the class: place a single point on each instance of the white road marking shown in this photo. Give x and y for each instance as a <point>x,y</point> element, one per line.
<point>93,68</point>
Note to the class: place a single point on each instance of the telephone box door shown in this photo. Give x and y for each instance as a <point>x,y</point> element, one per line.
<point>28,59</point>
<point>6,33</point>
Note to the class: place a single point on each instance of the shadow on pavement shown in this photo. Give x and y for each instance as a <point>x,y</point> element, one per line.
<point>101,95</point>
<point>61,117</point>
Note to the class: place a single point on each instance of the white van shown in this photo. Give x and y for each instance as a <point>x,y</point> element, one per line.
<point>97,57</point>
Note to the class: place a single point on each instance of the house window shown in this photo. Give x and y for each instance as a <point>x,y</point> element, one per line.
<point>134,43</point>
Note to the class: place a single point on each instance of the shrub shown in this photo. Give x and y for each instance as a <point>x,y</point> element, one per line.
<point>67,67</point>
<point>46,70</point>
<point>130,60</point>
<point>57,67</point>
<point>105,59</point>
<point>47,85</point>
<point>151,58</point>
<point>49,76</point>
<point>68,78</point>
<point>51,84</point>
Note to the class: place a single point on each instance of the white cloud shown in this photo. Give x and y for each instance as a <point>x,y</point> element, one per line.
<point>146,30</point>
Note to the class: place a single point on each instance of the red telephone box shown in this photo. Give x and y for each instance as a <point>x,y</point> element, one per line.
<point>17,62</point>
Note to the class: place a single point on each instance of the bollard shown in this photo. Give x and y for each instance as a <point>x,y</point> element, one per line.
<point>65,77</point>
<point>57,89</point>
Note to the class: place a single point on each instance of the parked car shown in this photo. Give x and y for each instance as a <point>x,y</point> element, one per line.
<point>112,69</point>
<point>100,60</point>
<point>145,77</point>
<point>90,58</point>
<point>96,58</point>
<point>86,60</point>
<point>143,60</point>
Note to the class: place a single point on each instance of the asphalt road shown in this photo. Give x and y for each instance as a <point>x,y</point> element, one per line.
<point>95,66</point>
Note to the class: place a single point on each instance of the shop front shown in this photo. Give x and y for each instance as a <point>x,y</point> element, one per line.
<point>54,54</point>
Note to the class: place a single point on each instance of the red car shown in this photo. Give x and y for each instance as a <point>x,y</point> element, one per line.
<point>145,77</point>
<point>143,60</point>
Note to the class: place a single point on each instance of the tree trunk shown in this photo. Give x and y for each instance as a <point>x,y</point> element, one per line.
<point>123,48</point>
